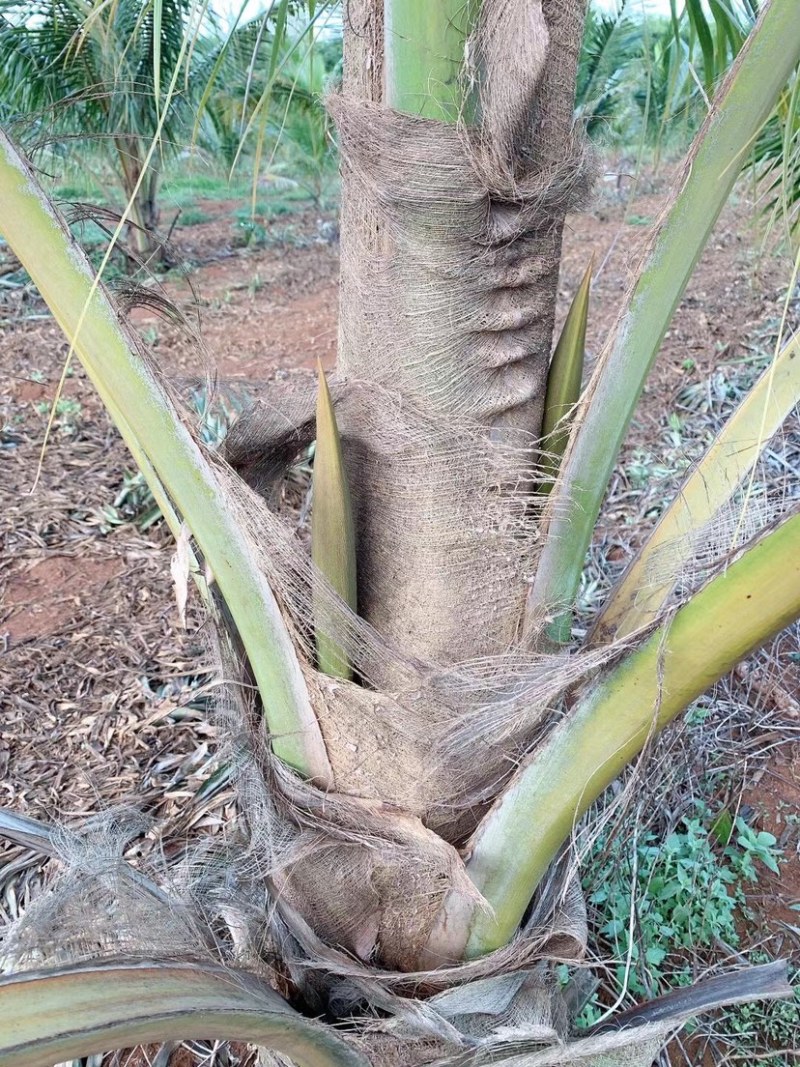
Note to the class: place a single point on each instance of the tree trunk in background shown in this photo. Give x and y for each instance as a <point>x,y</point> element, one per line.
<point>144,213</point>
<point>150,210</point>
<point>451,243</point>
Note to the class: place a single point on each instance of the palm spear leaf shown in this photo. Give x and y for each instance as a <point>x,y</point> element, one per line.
<point>564,381</point>
<point>332,535</point>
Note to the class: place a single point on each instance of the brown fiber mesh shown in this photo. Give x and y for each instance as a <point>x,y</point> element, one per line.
<point>451,243</point>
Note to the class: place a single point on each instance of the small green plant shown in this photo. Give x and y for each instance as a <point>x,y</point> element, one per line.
<point>250,233</point>
<point>644,468</point>
<point>675,427</point>
<point>655,900</point>
<point>755,845</point>
<point>134,502</point>
<point>66,416</point>
<point>750,1029</point>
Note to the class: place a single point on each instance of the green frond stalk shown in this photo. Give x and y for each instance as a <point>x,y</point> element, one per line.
<point>333,547</point>
<point>424,55</point>
<point>150,425</point>
<point>744,103</point>
<point>564,382</point>
<point>734,614</point>
<point>81,1010</point>
<point>637,600</point>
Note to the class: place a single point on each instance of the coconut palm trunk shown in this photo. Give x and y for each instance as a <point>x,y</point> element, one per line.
<point>455,187</point>
<point>400,869</point>
<point>141,194</point>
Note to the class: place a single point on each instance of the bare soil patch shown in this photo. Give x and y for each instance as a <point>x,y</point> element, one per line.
<point>775,796</point>
<point>46,596</point>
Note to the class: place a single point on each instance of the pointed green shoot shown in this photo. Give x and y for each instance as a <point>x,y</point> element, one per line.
<point>49,1017</point>
<point>564,382</point>
<point>639,597</point>
<point>153,429</point>
<point>333,546</point>
<point>734,614</point>
<point>721,148</point>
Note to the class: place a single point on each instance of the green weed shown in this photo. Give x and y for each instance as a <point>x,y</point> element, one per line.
<point>749,1029</point>
<point>657,903</point>
<point>193,216</point>
<point>67,414</point>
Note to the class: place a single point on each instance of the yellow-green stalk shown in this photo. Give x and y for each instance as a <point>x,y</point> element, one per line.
<point>641,594</point>
<point>151,425</point>
<point>86,1009</point>
<point>734,614</point>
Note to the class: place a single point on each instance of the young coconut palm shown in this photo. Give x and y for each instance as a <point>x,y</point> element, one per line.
<point>100,73</point>
<point>403,867</point>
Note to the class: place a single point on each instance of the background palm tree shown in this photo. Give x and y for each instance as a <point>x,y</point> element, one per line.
<point>96,80</point>
<point>269,99</point>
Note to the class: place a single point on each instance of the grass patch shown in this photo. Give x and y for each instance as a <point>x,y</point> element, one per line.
<point>186,191</point>
<point>264,210</point>
<point>193,216</point>
<point>84,192</point>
